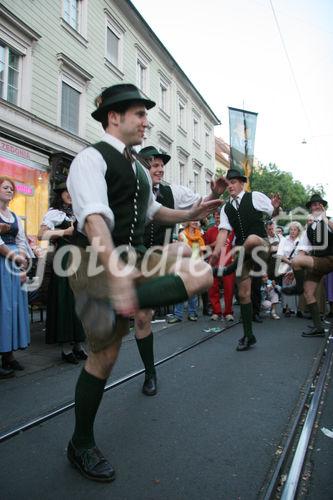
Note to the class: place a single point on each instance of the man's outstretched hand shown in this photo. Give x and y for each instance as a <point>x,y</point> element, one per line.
<point>201,209</point>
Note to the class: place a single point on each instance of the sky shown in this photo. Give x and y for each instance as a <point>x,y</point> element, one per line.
<point>273,57</point>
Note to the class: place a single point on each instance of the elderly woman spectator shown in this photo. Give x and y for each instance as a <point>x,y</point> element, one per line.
<point>14,318</point>
<point>287,249</point>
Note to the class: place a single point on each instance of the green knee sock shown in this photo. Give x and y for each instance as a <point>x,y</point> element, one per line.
<point>246,313</point>
<point>146,350</point>
<point>161,291</point>
<point>88,395</point>
<point>315,314</point>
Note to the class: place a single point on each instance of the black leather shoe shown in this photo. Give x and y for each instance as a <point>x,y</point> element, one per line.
<point>12,365</point>
<point>69,358</point>
<point>245,343</point>
<point>6,373</point>
<point>257,319</point>
<point>91,463</point>
<point>314,332</point>
<point>80,354</point>
<point>149,387</point>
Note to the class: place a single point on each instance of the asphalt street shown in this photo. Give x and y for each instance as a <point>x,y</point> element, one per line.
<point>212,432</point>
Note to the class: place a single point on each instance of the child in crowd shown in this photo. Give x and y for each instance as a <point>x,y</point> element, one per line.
<point>270,293</point>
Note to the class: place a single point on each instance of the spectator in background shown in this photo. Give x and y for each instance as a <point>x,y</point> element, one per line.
<point>286,251</point>
<point>314,260</point>
<point>227,281</point>
<point>62,324</point>
<point>193,238</point>
<point>14,318</point>
<point>329,293</point>
<point>270,296</point>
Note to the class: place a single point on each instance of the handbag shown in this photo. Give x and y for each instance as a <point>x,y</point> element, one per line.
<point>283,267</point>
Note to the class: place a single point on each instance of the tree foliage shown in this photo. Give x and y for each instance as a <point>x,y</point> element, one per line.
<point>270,179</point>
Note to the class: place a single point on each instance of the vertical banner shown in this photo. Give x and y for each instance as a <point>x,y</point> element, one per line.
<point>242,130</point>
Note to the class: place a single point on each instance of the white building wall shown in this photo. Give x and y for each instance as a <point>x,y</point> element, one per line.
<point>58,44</point>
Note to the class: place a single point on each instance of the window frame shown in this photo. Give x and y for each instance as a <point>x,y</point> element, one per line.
<point>143,61</point>
<point>21,39</point>
<point>182,113</point>
<point>118,30</point>
<point>76,77</point>
<point>196,128</point>
<point>7,50</point>
<point>79,32</point>
<point>164,106</point>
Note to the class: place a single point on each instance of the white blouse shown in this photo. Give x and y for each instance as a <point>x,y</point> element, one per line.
<point>54,218</point>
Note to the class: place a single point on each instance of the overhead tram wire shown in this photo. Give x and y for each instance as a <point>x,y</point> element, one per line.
<point>291,67</point>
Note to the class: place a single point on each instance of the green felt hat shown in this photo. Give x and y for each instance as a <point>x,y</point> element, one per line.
<point>315,198</point>
<point>121,93</point>
<point>150,151</point>
<point>233,173</point>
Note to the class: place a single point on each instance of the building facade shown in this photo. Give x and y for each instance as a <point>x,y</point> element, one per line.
<point>222,156</point>
<point>55,57</point>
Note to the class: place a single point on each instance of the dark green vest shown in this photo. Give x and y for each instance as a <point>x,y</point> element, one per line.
<point>154,232</point>
<point>128,195</point>
<point>246,220</point>
<point>320,237</point>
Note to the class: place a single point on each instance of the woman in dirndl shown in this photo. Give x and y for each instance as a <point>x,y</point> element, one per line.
<point>14,317</point>
<point>62,324</point>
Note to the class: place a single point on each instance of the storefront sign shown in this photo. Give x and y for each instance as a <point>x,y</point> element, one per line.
<point>9,148</point>
<point>24,189</point>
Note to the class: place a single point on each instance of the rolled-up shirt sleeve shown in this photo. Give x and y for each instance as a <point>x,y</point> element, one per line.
<point>224,221</point>
<point>87,186</point>
<point>184,197</point>
<point>262,203</point>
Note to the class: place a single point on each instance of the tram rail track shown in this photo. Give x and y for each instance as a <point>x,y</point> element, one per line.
<point>34,422</point>
<point>286,477</point>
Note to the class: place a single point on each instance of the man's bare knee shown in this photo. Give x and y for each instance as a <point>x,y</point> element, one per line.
<point>101,363</point>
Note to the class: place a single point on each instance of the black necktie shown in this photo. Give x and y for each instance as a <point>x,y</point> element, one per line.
<point>128,153</point>
<point>156,191</point>
<point>237,203</point>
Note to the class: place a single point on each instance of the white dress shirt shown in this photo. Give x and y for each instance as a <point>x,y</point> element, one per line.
<point>88,189</point>
<point>183,196</point>
<point>260,201</point>
<point>305,243</point>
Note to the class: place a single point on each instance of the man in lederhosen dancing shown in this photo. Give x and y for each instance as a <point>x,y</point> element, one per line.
<point>112,199</point>
<point>314,259</point>
<point>175,197</point>
<point>244,214</point>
